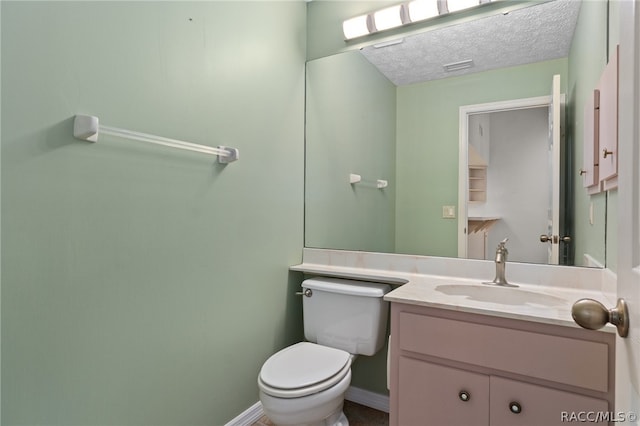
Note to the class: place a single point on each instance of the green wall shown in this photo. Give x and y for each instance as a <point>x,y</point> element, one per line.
<point>587,60</point>
<point>427,147</point>
<point>350,128</point>
<point>143,285</point>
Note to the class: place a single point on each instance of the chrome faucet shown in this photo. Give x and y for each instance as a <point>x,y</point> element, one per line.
<point>501,263</point>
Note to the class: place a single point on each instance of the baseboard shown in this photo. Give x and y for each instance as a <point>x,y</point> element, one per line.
<point>368,399</point>
<point>357,395</point>
<point>248,416</point>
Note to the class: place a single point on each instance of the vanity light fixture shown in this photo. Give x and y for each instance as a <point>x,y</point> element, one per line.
<point>419,10</point>
<point>403,14</point>
<point>457,5</point>
<point>356,27</point>
<point>388,18</point>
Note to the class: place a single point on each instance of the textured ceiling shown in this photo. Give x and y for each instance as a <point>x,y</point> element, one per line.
<point>532,34</point>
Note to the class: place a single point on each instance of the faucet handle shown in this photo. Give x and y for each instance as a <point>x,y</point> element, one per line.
<point>502,252</point>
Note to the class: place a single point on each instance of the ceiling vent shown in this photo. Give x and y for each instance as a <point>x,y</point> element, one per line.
<point>457,66</point>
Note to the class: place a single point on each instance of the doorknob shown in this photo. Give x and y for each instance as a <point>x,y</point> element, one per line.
<point>593,315</point>
<point>554,239</point>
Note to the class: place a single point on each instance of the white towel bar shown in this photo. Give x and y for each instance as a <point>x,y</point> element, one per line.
<point>355,178</point>
<point>87,128</point>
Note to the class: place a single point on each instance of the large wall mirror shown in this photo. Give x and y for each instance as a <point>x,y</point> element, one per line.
<point>385,171</point>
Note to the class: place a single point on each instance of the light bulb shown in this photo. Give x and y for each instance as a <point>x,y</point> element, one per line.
<point>456,5</point>
<point>355,27</point>
<point>420,10</point>
<point>387,18</point>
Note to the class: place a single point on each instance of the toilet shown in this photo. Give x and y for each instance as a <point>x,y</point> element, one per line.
<point>304,384</point>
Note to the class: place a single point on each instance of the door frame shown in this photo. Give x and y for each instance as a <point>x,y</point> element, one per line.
<point>628,270</point>
<point>463,156</point>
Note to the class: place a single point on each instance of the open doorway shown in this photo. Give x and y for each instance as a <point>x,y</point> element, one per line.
<point>509,183</point>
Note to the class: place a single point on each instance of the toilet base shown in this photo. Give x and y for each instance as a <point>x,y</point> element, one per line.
<point>335,419</point>
<point>342,421</point>
<point>319,409</point>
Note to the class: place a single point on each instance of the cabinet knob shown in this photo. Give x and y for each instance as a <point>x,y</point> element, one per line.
<point>606,153</point>
<point>515,407</point>
<point>583,172</point>
<point>464,396</point>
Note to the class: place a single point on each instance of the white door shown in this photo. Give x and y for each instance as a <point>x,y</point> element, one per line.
<point>553,224</point>
<point>628,274</point>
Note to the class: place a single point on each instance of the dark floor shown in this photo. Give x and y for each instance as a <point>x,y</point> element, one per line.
<point>358,415</point>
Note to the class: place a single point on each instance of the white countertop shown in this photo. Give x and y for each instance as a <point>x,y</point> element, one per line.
<point>550,305</point>
<point>529,302</point>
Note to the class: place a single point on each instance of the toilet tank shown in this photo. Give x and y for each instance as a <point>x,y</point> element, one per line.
<point>346,314</point>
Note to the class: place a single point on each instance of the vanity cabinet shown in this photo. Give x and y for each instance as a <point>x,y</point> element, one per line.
<point>461,397</point>
<point>456,368</point>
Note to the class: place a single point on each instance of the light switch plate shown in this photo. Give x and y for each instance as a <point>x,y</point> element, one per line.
<point>449,212</point>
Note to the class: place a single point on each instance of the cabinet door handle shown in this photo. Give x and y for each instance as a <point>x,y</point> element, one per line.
<point>515,407</point>
<point>464,396</point>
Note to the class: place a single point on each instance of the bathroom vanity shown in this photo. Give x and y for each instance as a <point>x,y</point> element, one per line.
<point>495,356</point>
<point>456,368</point>
<point>466,353</point>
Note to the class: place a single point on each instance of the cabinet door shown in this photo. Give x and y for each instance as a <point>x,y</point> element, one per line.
<point>589,172</point>
<point>608,128</point>
<point>515,403</point>
<point>431,394</point>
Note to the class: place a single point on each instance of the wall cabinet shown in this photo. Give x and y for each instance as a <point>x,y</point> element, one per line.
<point>608,126</point>
<point>590,166</point>
<point>455,368</point>
<point>600,144</point>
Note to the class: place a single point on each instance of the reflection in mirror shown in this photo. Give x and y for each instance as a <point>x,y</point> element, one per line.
<point>364,119</point>
<point>510,185</point>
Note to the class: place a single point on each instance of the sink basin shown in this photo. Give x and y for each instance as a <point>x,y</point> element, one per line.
<point>502,295</point>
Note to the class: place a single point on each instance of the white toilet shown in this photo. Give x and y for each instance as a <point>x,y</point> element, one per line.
<point>304,384</point>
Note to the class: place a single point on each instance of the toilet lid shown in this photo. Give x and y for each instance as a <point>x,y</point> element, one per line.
<point>302,365</point>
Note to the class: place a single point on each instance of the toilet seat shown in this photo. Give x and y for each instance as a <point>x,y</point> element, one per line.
<point>303,369</point>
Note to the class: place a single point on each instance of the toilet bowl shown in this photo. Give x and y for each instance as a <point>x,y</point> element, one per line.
<point>304,384</point>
